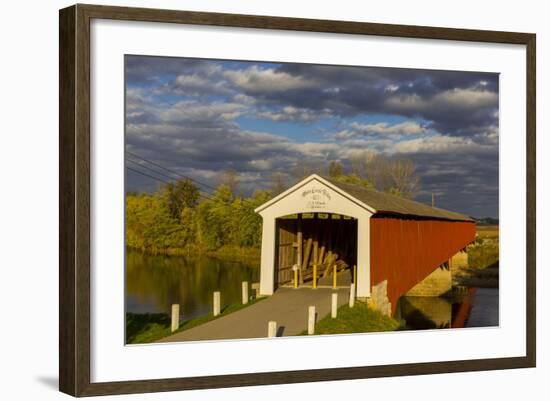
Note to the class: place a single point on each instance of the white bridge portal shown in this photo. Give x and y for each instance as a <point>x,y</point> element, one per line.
<point>314,194</point>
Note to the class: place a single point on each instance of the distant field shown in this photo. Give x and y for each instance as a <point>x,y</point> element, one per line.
<point>487,231</point>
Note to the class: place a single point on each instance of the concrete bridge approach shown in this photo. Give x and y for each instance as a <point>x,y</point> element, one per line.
<point>287,306</point>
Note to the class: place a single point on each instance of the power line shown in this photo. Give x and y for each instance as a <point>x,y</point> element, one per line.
<point>141,158</point>
<point>170,171</point>
<point>162,180</point>
<point>147,175</point>
<point>166,176</point>
<point>150,169</point>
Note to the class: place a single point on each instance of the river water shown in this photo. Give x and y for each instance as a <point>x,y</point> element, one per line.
<point>155,282</point>
<point>478,307</point>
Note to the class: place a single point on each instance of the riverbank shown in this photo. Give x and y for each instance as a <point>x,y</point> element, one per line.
<point>248,255</point>
<point>150,327</point>
<point>482,270</point>
<point>478,278</point>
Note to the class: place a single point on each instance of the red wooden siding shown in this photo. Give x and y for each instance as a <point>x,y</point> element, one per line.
<point>405,251</point>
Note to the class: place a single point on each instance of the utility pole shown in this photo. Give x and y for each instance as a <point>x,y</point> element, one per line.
<point>433,199</point>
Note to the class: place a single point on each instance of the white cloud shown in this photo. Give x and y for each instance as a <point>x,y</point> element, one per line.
<point>380,130</point>
<point>316,149</point>
<point>244,99</point>
<point>467,98</point>
<point>391,88</point>
<point>383,128</point>
<point>344,135</point>
<point>186,111</point>
<point>458,99</point>
<point>437,144</point>
<point>193,81</point>
<point>255,79</point>
<point>290,113</point>
<point>261,164</point>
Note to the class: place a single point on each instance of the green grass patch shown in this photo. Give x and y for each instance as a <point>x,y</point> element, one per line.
<point>146,327</point>
<point>359,319</point>
<point>237,254</point>
<point>483,255</point>
<point>150,327</point>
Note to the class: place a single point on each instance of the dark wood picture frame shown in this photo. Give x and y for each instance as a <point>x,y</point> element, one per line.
<point>74,203</point>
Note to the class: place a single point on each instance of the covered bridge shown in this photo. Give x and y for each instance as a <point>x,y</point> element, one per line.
<point>394,243</point>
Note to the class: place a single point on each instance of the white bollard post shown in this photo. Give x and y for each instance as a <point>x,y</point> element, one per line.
<point>175,323</point>
<point>217,303</point>
<point>272,329</point>
<point>311,320</point>
<point>245,292</point>
<point>352,295</point>
<point>334,305</point>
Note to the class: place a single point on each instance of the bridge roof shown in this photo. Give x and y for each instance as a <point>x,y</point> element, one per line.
<point>391,204</point>
<point>379,203</point>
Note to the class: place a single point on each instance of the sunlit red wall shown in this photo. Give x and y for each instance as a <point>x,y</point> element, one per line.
<point>405,251</point>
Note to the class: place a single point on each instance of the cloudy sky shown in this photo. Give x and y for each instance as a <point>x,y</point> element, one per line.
<point>200,117</point>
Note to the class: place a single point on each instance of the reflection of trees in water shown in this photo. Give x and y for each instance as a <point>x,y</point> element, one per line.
<point>425,312</point>
<point>163,280</point>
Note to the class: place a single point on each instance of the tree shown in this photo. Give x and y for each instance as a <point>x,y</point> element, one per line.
<point>404,179</point>
<point>182,194</point>
<point>355,180</point>
<point>230,179</point>
<point>305,168</point>
<point>335,169</point>
<point>149,225</point>
<point>214,218</point>
<point>248,222</point>
<point>359,163</point>
<point>392,175</point>
<point>187,192</point>
<point>278,183</point>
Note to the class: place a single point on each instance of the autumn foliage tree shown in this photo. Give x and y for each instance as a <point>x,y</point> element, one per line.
<point>394,175</point>
<point>177,217</point>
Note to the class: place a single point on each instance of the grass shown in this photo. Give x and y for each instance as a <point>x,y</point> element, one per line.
<point>483,260</point>
<point>150,327</point>
<point>359,319</point>
<point>484,252</point>
<point>237,254</point>
<point>487,231</point>
<point>483,255</point>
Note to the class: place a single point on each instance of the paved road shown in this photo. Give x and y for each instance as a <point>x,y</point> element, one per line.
<point>288,307</point>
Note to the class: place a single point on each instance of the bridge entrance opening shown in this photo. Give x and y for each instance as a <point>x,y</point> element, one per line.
<point>316,245</point>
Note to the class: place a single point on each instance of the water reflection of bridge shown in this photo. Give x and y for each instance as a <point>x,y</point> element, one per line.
<point>445,312</point>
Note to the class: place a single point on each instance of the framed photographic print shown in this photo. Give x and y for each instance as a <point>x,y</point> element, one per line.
<point>250,200</point>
